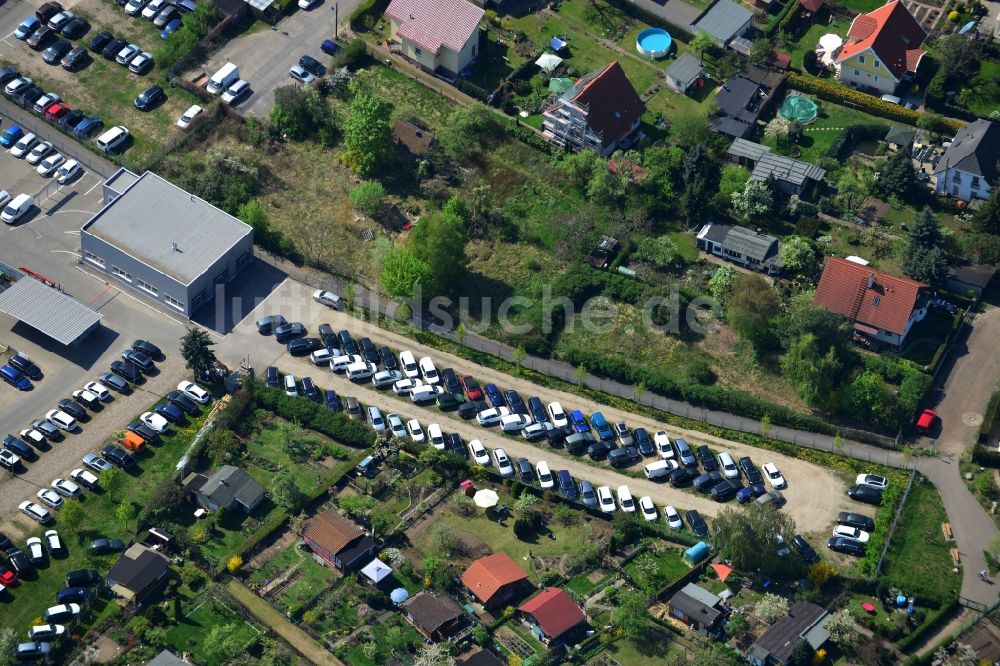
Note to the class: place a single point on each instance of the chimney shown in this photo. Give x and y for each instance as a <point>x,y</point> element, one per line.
<point>871,280</point>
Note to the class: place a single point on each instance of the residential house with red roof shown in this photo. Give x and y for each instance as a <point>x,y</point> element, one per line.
<point>881,306</point>
<point>496,580</point>
<point>552,615</point>
<point>601,111</point>
<point>882,49</point>
<point>441,36</point>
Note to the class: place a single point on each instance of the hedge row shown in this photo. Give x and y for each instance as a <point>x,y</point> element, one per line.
<point>373,8</point>
<point>314,416</point>
<point>839,94</point>
<point>935,619</point>
<point>989,416</point>
<point>775,22</point>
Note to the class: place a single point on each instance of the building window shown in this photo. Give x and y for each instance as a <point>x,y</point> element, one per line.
<point>857,72</point>
<point>94,259</point>
<point>876,78</point>
<point>975,182</point>
<point>956,177</point>
<point>145,286</point>
<point>861,59</point>
<point>877,63</point>
<point>174,302</point>
<point>418,52</point>
<point>119,273</point>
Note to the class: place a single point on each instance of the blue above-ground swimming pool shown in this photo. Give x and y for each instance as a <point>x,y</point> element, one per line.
<point>653,42</point>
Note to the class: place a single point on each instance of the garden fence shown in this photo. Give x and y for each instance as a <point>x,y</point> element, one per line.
<point>895,520</point>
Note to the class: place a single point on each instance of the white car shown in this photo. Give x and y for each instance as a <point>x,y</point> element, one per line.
<point>37,513</point>
<point>62,611</point>
<point>53,541</point>
<point>404,386</point>
<point>154,421</point>
<point>141,62</point>
<point>85,478</point>
<point>647,508</point>
<point>112,139</point>
<point>774,477</point>
<point>125,56</point>
<point>68,172</point>
<point>66,488</point>
<point>9,459</point>
<point>48,166</point>
<point>85,397</point>
<point>415,431</point>
<point>663,445</point>
<point>514,422</point>
<point>36,552</point>
<point>428,371</point>
<point>188,116</point>
<point>150,11</point>
<point>38,152</point>
<point>235,92</point>
<point>491,417</point>
<point>24,145</point>
<point>61,420</point>
<point>299,73</point>
<point>545,479</point>
<point>504,465</point>
<point>98,389</point>
<point>535,430</point>
<point>851,533</point>
<point>396,426</point>
<point>46,632</point>
<point>435,437</point>
<point>361,370</point>
<point>728,466</point>
<point>19,83</point>
<point>479,453</point>
<point>673,518</point>
<point>49,498</point>
<point>606,500</point>
<point>625,499</point>
<point>557,415</point>
<point>5,197</point>
<point>59,20</point>
<point>409,364</point>
<point>872,481</point>
<point>308,4</point>
<point>33,437</point>
<point>326,297</point>
<point>195,392</point>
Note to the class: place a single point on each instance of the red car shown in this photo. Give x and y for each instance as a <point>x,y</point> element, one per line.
<point>7,577</point>
<point>926,421</point>
<point>56,111</point>
<point>471,388</point>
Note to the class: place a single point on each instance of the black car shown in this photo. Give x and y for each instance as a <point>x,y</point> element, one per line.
<point>74,595</point>
<point>389,360</point>
<point>54,53</point>
<point>368,351</point>
<point>287,332</point>
<point>681,477</point>
<point>556,436</point>
<point>126,371</point>
<point>111,49</point>
<point>450,381</point>
<point>119,457</point>
<point>468,410</point>
<point>707,481</point>
<point>267,325</point>
<point>846,545</point>
<point>347,343</point>
<point>144,431</point>
<point>598,451</point>
<point>114,381</point>
<point>139,360</point>
<point>806,552</point>
<point>865,494</point>
<point>74,59</point>
<point>181,401</point>
<point>50,431</point>
<point>105,546</point>
<point>312,65</point>
<point>537,410</point>
<point>19,447</point>
<point>150,98</point>
<point>526,471</point>
<point>643,442</point>
<point>725,490</point>
<point>8,74</point>
<point>99,41</point>
<point>303,346</point>
<point>751,471</point>
<point>272,378</point>
<point>624,456</point>
<point>83,577</point>
<point>697,523</point>
<point>72,119</point>
<point>75,28</point>
<point>47,11</point>
<point>515,402</point>
<point>453,442</point>
<point>329,338</point>
<point>857,520</point>
<point>29,96</point>
<point>147,348</point>
<point>5,543</point>
<point>706,458</point>
<point>309,389</point>
<point>74,409</point>
<point>88,400</point>
<point>332,401</point>
<point>19,561</point>
<point>23,363</point>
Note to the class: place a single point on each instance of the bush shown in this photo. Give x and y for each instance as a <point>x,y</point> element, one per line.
<point>367,14</point>
<point>336,425</point>
<point>772,25</point>
<point>369,198</point>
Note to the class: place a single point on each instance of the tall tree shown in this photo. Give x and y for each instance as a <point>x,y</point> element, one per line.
<point>196,349</point>
<point>702,42</point>
<point>870,400</point>
<point>631,616</point>
<point>401,270</point>
<point>813,373</point>
<point>925,232</point>
<point>751,305</point>
<point>748,535</point>
<point>797,255</point>
<point>439,241</point>
<point>926,264</point>
<point>720,285</point>
<point>898,176</point>
<point>368,133</point>
<point>466,131</point>
<point>690,129</point>
<point>754,202</point>
<point>987,218</point>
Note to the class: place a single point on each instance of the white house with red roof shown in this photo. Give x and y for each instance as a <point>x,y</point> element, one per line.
<point>442,36</point>
<point>882,49</point>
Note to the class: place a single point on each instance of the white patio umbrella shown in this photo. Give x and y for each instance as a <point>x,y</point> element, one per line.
<point>486,498</point>
<point>831,42</point>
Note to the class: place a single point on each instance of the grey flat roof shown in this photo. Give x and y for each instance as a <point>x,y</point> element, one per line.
<point>767,164</point>
<point>686,69</point>
<point>747,149</point>
<point>153,213</point>
<point>61,317</point>
<point>723,20</point>
<point>121,180</point>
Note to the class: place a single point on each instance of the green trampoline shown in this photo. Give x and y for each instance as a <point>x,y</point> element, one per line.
<point>800,108</point>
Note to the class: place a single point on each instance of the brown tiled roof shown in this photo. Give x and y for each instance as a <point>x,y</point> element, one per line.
<point>866,295</point>
<point>487,575</point>
<point>416,140</point>
<point>892,33</point>
<point>331,531</point>
<point>554,611</point>
<point>431,611</point>
<point>613,104</point>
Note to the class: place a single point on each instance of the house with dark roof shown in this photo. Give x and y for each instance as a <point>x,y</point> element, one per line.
<point>552,616</point>
<point>413,139</point>
<point>968,168</point>
<point>337,542</point>
<point>724,21</point>
<point>481,658</point>
<point>228,488</point>
<point>739,103</point>
<point>882,49</point>
<point>900,136</point>
<point>741,246</point>
<point>496,580</point>
<point>441,36</point>
<point>167,658</point>
<point>791,176</point>
<point>601,111</point>
<point>685,73</point>
<point>881,306</point>
<point>138,572</point>
<point>435,617</point>
<point>805,621</point>
<point>696,607</point>
<point>968,276</point>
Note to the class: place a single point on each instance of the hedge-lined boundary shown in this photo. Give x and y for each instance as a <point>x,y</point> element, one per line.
<point>935,620</point>
<point>772,25</point>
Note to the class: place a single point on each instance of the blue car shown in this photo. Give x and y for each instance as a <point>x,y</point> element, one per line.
<point>26,27</point>
<point>332,401</point>
<point>170,27</point>
<point>329,47</point>
<point>11,136</point>
<point>87,127</point>
<point>579,421</point>
<point>643,442</point>
<point>537,410</point>
<point>753,491</point>
<point>170,413</point>
<point>14,378</point>
<point>494,396</point>
<point>567,486</point>
<point>602,427</point>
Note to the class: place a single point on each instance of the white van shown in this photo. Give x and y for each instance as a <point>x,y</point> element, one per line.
<point>660,468</point>
<point>729,469</point>
<point>341,363</point>
<point>291,386</point>
<point>321,356</point>
<point>20,205</point>
<point>112,139</point>
<point>360,370</point>
<point>423,394</point>
<point>222,79</point>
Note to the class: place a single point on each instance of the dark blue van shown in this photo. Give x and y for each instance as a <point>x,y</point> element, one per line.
<point>567,486</point>
<point>14,378</point>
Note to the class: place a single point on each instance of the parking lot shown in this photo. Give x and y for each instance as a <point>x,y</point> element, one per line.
<point>265,56</point>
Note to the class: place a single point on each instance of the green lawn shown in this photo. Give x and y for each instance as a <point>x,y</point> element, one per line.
<point>982,94</point>
<point>818,136</point>
<point>309,474</point>
<point>687,248</point>
<point>656,647</point>
<point>581,585</point>
<point>670,564</point>
<point>810,39</point>
<point>189,635</point>
<point>496,61</point>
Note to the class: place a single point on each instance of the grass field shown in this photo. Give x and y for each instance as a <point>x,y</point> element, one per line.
<point>582,586</point>
<point>817,137</point>
<point>670,564</point>
<point>312,578</point>
<point>190,634</point>
<point>406,635</point>
<point>657,647</point>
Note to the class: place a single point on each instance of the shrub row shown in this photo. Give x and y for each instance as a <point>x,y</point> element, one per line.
<point>935,619</point>
<point>776,20</point>
<point>372,8</point>
<point>869,565</point>
<point>471,89</point>
<point>839,94</point>
<point>526,135</point>
<point>314,416</point>
<point>989,416</point>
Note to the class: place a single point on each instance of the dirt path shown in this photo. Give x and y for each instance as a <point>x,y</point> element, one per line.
<point>298,639</point>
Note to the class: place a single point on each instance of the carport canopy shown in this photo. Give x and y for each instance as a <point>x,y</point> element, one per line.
<point>48,310</point>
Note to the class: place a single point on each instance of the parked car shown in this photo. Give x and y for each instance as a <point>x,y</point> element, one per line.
<point>37,513</point>
<point>61,613</point>
<point>267,325</point>
<point>504,466</point>
<point>601,426</point>
<point>857,520</point>
<point>51,432</point>
<point>194,392</point>
<point>9,460</point>
<point>304,346</point>
<point>479,454</point>
<point>66,488</point>
<point>75,28</point>
<point>26,27</point>
<point>875,481</point>
<point>32,651</point>
<point>806,552</point>
<point>46,632</point>
<point>25,365</point>
<point>647,509</point>
<point>54,54</point>
<point>624,456</point>
<point>643,442</point>
<point>126,371</point>
<point>623,434</point>
<point>409,364</point>
<point>672,518</point>
<point>851,533</point>
<point>74,409</point>
<point>61,420</point>
<point>312,65</point>
<point>99,41</point>
<point>727,466</point>
<point>300,74</point>
<point>774,477</point>
<point>697,523</point>
<point>388,359</point>
<point>118,457</point>
<point>557,415</point>
<point>525,471</point>
<point>846,546</point>
<point>116,382</point>
<point>86,479</point>
<point>567,486</point>
<point>865,494</point>
<point>725,490</point>
<point>181,401</point>
<point>471,388</point>
<point>36,551</point>
<point>750,470</point>
<point>468,410</point>
<point>492,416</point>
<point>83,577</point>
<point>928,418</point>
<point>35,438</point>
<point>96,463</point>
<point>579,421</point>
<point>106,546</point>
<point>86,398</point>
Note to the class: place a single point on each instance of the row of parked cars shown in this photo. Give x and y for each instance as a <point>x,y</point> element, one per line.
<point>165,14</point>
<point>853,530</point>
